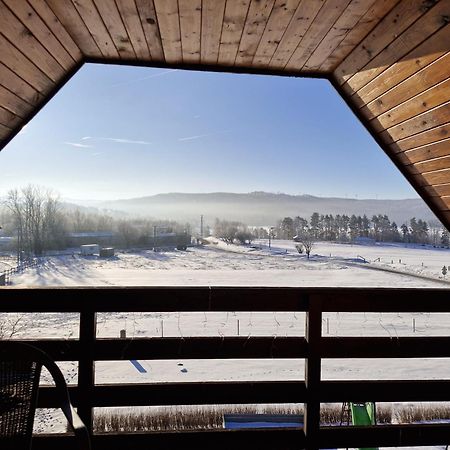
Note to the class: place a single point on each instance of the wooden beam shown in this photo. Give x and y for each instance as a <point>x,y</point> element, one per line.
<point>169,28</point>
<point>113,20</point>
<point>255,24</point>
<point>190,27</point>
<point>232,28</point>
<point>211,29</point>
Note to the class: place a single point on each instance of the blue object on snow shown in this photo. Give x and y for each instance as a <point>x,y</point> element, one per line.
<point>234,421</point>
<point>138,366</point>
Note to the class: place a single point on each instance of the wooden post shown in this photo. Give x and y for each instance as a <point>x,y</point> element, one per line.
<point>312,372</point>
<point>86,367</point>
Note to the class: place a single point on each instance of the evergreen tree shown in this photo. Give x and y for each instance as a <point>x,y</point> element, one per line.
<point>445,238</point>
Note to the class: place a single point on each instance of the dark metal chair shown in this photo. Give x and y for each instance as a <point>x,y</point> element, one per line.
<point>20,370</point>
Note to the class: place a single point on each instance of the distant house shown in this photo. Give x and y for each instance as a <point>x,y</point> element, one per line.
<point>103,238</point>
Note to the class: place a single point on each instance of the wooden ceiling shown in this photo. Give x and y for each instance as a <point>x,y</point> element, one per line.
<point>389,59</point>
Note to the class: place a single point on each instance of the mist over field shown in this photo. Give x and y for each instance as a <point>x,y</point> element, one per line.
<point>261,208</point>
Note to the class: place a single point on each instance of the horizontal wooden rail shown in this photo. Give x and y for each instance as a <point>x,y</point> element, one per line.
<point>385,435</point>
<point>205,347</point>
<point>178,299</point>
<point>384,391</point>
<point>261,439</point>
<point>385,347</point>
<point>248,392</point>
<point>185,393</point>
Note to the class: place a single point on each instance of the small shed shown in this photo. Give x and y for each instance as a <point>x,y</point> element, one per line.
<point>106,252</point>
<point>89,249</point>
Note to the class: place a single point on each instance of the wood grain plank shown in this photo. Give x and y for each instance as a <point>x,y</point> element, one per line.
<point>427,137</point>
<point>435,164</point>
<point>338,32</point>
<point>232,28</point>
<point>149,22</point>
<point>257,17</point>
<point>319,28</point>
<point>399,19</point>
<point>31,20</point>
<point>299,25</point>
<point>5,132</point>
<point>113,21</point>
<point>358,32</point>
<point>46,14</point>
<point>23,67</point>
<point>169,27</point>
<point>425,152</point>
<point>440,190</point>
<point>425,101</point>
<point>430,119</point>
<point>418,33</point>
<point>190,26</point>
<point>412,80</point>
<point>68,15</point>
<point>133,25</point>
<point>13,103</point>
<point>24,40</point>
<point>94,23</point>
<point>282,13</point>
<point>446,201</point>
<point>211,30</point>
<point>21,88</point>
<point>437,177</point>
<point>9,119</point>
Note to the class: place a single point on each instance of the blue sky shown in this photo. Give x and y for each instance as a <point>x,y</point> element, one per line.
<point>121,132</point>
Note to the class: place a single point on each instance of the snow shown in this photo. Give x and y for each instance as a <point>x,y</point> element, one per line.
<point>219,264</point>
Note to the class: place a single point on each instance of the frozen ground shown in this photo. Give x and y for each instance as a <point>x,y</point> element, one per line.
<point>222,264</point>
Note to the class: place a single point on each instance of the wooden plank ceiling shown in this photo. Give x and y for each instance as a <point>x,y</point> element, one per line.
<point>389,59</point>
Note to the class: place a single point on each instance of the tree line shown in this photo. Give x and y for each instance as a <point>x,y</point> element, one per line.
<point>38,221</point>
<point>345,228</point>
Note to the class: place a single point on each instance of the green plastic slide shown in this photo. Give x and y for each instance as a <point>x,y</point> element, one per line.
<point>363,414</point>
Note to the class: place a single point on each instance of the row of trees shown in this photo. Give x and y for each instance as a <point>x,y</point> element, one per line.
<point>347,228</point>
<point>38,221</point>
<point>230,231</point>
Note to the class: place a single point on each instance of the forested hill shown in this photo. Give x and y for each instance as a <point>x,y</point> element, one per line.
<point>262,208</point>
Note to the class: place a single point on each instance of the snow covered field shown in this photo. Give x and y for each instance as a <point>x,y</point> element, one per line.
<point>221,264</point>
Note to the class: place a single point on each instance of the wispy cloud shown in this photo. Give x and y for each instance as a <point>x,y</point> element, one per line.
<point>78,145</point>
<point>97,153</point>
<point>191,138</point>
<point>118,140</point>
<point>200,136</point>
<point>137,80</point>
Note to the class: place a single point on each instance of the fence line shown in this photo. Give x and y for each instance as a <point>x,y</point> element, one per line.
<point>18,269</point>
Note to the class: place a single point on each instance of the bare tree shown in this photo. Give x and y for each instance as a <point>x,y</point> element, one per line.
<point>37,218</point>
<point>10,325</point>
<point>306,239</point>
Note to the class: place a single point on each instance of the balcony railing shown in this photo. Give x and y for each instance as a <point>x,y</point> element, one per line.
<point>313,347</point>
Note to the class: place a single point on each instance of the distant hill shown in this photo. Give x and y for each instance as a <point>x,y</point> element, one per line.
<point>262,208</point>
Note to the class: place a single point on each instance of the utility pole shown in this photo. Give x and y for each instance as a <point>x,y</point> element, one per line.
<point>154,238</point>
<point>201,226</point>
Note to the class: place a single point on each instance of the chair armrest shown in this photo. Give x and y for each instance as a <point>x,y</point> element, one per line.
<point>77,425</point>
